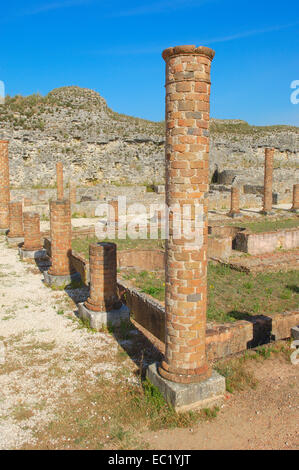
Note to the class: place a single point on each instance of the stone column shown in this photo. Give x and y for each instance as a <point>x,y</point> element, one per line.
<point>187,182</point>
<point>235,203</point>
<point>295,206</point>
<point>59,172</point>
<point>32,247</point>
<point>61,270</point>
<point>4,186</point>
<point>103,305</point>
<point>268,180</point>
<point>72,193</point>
<point>16,230</point>
<point>113,212</point>
<point>102,263</point>
<point>32,235</point>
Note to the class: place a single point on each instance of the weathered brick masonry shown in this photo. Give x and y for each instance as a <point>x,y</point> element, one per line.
<point>61,238</point>
<point>295,206</point>
<point>16,220</point>
<point>268,180</point>
<point>187,177</point>
<point>103,286</point>
<point>59,172</point>
<point>4,185</point>
<point>235,202</point>
<point>32,235</point>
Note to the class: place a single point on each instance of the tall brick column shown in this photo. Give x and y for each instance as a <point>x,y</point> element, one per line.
<point>103,292</point>
<point>187,182</point>
<point>59,172</point>
<point>268,180</point>
<point>73,192</point>
<point>61,238</point>
<point>4,185</point>
<point>235,202</point>
<point>15,220</point>
<point>32,235</point>
<point>295,206</point>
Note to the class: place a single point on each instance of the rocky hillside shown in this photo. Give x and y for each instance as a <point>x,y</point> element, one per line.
<point>76,126</point>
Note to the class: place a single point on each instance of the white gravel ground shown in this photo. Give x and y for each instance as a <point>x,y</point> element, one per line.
<point>45,350</point>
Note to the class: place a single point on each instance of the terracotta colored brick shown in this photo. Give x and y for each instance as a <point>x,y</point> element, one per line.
<point>235,201</point>
<point>103,287</point>
<point>4,185</point>
<point>295,205</point>
<point>32,235</point>
<point>268,179</point>
<point>187,179</point>
<point>61,238</point>
<point>16,220</point>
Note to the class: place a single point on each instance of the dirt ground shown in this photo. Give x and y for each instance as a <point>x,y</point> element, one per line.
<point>264,418</point>
<point>55,371</point>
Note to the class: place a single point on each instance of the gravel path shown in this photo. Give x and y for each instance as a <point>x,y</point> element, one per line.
<point>45,348</point>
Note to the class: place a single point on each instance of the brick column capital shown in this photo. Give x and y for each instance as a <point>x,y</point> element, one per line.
<point>188,50</point>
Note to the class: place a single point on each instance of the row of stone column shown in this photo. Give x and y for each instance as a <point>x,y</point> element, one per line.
<point>268,184</point>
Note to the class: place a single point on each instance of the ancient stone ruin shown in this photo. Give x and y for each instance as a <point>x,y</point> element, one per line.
<point>185,376</point>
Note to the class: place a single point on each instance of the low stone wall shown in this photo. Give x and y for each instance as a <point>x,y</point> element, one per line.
<point>267,242</point>
<point>219,247</point>
<point>221,339</point>
<point>81,266</point>
<point>148,260</point>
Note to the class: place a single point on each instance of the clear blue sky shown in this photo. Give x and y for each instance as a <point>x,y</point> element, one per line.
<point>114,47</point>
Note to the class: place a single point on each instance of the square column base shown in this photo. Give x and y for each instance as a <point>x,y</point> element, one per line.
<point>184,397</point>
<point>295,332</point>
<point>35,254</point>
<point>12,241</point>
<point>60,281</point>
<point>99,319</point>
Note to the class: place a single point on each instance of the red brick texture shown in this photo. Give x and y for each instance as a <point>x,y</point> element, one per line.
<point>295,205</point>
<point>187,182</point>
<point>73,193</point>
<point>103,286</point>
<point>268,179</point>
<point>4,185</point>
<point>235,201</point>
<point>113,212</point>
<point>59,172</point>
<point>32,235</point>
<point>15,220</point>
<point>61,238</point>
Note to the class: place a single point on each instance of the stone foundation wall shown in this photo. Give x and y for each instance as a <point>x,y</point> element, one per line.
<point>267,242</point>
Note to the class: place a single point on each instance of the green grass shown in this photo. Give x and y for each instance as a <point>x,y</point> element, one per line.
<point>271,225</point>
<point>82,245</point>
<point>233,295</point>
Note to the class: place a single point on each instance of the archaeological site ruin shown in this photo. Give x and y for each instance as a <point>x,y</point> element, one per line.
<point>195,302</point>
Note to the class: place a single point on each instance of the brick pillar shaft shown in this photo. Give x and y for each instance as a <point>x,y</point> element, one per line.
<point>4,185</point>
<point>295,197</point>
<point>235,201</point>
<point>73,193</point>
<point>59,172</point>
<point>113,211</point>
<point>32,235</point>
<point>15,220</point>
<point>61,238</point>
<point>187,182</point>
<point>268,180</point>
<point>103,291</point>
